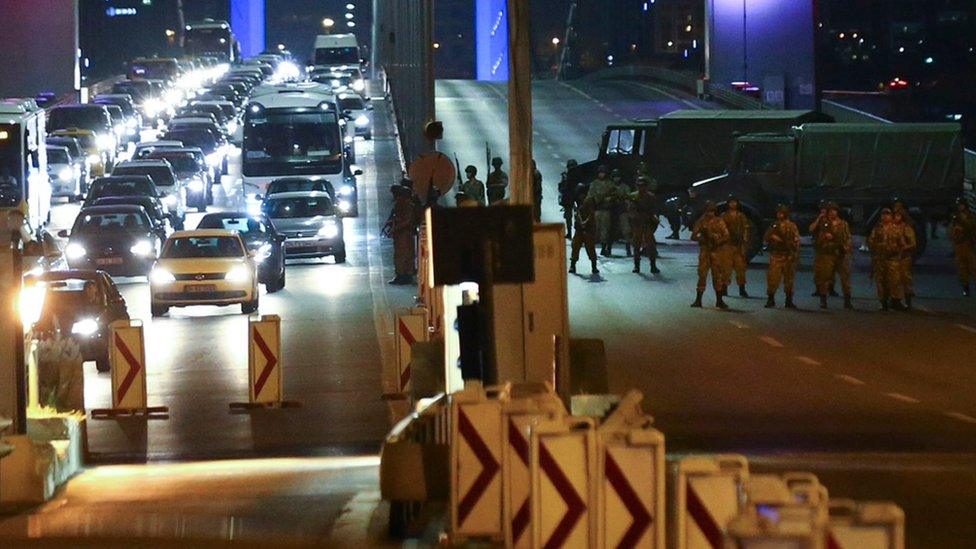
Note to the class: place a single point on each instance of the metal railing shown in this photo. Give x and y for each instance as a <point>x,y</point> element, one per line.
<point>684,81</point>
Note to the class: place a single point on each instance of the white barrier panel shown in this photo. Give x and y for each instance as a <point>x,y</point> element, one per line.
<point>411,327</point>
<point>127,357</point>
<point>865,525</point>
<point>519,416</point>
<point>791,527</point>
<point>476,456</point>
<point>264,359</point>
<point>631,494</point>
<point>708,496</point>
<point>563,466</point>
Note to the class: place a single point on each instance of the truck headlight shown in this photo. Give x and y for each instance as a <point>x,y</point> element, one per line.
<point>161,276</point>
<point>329,230</point>
<point>237,274</point>
<point>85,327</point>
<point>75,251</point>
<point>143,248</point>
<point>362,120</point>
<point>105,142</point>
<point>66,173</point>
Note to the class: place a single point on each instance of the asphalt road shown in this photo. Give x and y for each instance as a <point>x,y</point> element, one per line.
<point>879,404</point>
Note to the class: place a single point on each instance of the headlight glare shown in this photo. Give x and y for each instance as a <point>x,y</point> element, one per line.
<point>66,174</point>
<point>196,186</point>
<point>329,230</point>
<point>161,276</point>
<point>75,251</point>
<point>142,248</point>
<point>85,327</point>
<point>237,274</point>
<point>362,120</point>
<point>105,142</point>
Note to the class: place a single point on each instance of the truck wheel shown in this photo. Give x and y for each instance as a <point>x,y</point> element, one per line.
<point>249,307</point>
<point>159,310</point>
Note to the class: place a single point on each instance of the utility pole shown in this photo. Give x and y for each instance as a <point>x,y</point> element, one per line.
<point>519,102</point>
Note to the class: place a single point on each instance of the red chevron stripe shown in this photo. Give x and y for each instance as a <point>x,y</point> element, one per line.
<point>574,503</point>
<point>268,367</point>
<point>642,517</point>
<point>700,515</point>
<point>489,466</point>
<point>521,519</point>
<point>134,366</point>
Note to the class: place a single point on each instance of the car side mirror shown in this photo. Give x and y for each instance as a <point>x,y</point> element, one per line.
<point>64,233</point>
<point>280,238</point>
<point>358,172</point>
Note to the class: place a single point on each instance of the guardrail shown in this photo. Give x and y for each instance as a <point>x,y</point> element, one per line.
<point>685,81</point>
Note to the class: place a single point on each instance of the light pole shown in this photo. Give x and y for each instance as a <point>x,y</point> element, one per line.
<point>327,24</point>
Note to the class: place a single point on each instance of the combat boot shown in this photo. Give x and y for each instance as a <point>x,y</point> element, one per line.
<point>897,305</point>
<point>965,290</point>
<point>698,303</point>
<point>742,291</point>
<point>627,249</point>
<point>789,302</point>
<point>720,303</point>
<point>593,268</point>
<point>654,269</point>
<point>770,302</point>
<point>847,302</point>
<point>572,268</point>
<point>610,249</point>
<point>823,301</point>
<point>637,264</point>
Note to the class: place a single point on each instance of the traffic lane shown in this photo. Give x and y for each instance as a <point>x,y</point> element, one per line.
<point>198,365</point>
<point>239,501</point>
<point>717,374</point>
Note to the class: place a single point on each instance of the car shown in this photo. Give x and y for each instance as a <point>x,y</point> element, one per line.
<point>214,149</point>
<point>133,120</point>
<point>64,174</point>
<point>262,239</point>
<point>91,117</point>
<point>191,123</point>
<point>170,189</point>
<point>80,305</point>
<point>121,240</point>
<point>193,174</point>
<point>309,222</point>
<point>97,159</point>
<point>79,158</point>
<point>124,185</point>
<point>123,134</point>
<point>359,112</point>
<point>148,147</point>
<point>203,267</point>
<point>206,110</point>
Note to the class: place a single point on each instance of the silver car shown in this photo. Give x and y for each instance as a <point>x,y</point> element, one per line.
<point>64,174</point>
<point>309,222</point>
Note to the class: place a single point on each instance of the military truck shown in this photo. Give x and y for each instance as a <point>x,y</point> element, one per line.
<point>683,147</point>
<point>862,167</point>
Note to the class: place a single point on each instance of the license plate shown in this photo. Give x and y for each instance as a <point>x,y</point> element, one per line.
<point>109,261</point>
<point>200,288</point>
<point>298,243</point>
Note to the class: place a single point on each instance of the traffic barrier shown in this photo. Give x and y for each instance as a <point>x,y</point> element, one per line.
<point>563,465</point>
<point>865,525</point>
<point>519,417</point>
<point>476,463</point>
<point>423,268</point>
<point>708,495</point>
<point>631,496</point>
<point>127,359</point>
<point>411,327</point>
<point>790,527</point>
<point>264,365</point>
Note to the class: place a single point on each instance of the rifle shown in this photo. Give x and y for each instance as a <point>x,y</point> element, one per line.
<point>487,160</point>
<point>458,166</point>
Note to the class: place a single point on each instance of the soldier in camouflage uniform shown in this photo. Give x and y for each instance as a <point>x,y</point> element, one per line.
<point>712,236</point>
<point>832,257</point>
<point>643,222</point>
<point>738,225</point>
<point>782,239</point>
<point>962,232</point>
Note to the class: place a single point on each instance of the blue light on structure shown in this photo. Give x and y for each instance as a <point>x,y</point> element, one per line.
<point>247,21</point>
<point>491,39</point>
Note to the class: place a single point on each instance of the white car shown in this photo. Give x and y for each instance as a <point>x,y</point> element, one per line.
<point>204,267</point>
<point>63,173</point>
<point>359,112</point>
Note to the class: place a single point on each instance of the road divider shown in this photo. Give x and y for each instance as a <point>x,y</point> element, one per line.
<point>411,327</point>
<point>865,525</point>
<point>264,365</point>
<point>127,359</point>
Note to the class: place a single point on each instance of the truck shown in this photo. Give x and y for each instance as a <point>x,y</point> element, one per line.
<point>209,37</point>
<point>861,167</point>
<point>683,147</point>
<point>333,50</point>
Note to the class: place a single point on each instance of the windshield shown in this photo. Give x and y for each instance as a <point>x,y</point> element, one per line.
<point>121,188</point>
<point>121,221</point>
<point>197,247</point>
<point>138,90</point>
<point>283,143</point>
<point>71,144</point>
<point>11,165</point>
<point>334,56</point>
<point>69,296</point>
<point>353,102</point>
<point>181,162</point>
<point>295,185</point>
<point>287,208</point>
<point>57,156</point>
<point>193,138</point>
<point>162,176</point>
<point>248,227</point>
<point>197,41</point>
<point>89,118</point>
<point>122,104</point>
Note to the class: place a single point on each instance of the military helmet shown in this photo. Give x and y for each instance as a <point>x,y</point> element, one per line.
<point>581,190</point>
<point>615,172</point>
<point>822,205</point>
<point>643,181</point>
<point>961,202</point>
<point>885,211</point>
<point>710,206</point>
<point>471,169</point>
<point>897,201</point>
<point>601,169</point>
<point>783,208</point>
<point>732,197</point>
<point>832,206</point>
<point>497,162</point>
<point>571,163</point>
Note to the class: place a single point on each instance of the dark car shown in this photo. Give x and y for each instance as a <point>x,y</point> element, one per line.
<point>309,222</point>
<point>203,139</point>
<point>123,185</point>
<point>263,240</point>
<point>206,109</point>
<point>170,189</point>
<point>121,240</point>
<point>81,305</point>
<point>193,173</point>
<point>139,90</point>
<point>300,185</point>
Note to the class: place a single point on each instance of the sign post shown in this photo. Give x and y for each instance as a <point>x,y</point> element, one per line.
<point>127,357</point>
<point>264,365</point>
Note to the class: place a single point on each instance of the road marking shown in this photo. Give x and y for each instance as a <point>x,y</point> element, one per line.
<point>556,156</point>
<point>498,92</point>
<point>967,328</point>
<point>849,379</point>
<point>668,94</point>
<point>591,98</point>
<point>808,361</point>
<point>739,325</point>
<point>961,417</point>
<point>771,342</point>
<point>903,398</point>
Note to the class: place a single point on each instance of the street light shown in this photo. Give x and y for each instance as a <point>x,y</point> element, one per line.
<point>328,23</point>
<point>555,40</point>
<point>350,6</point>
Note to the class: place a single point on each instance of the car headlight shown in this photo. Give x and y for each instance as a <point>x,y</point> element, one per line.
<point>359,84</point>
<point>329,230</point>
<point>170,200</point>
<point>161,276</point>
<point>105,142</point>
<point>94,159</point>
<point>262,253</point>
<point>215,159</point>
<point>132,123</point>
<point>345,205</point>
<point>120,129</point>
<point>347,139</point>
<point>85,327</point>
<point>238,274</point>
<point>232,127</point>
<point>196,186</point>
<point>362,120</point>
<point>66,174</point>
<point>75,251</point>
<point>346,190</point>
<point>143,248</point>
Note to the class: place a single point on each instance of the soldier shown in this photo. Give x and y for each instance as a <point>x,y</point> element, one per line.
<point>643,222</point>
<point>567,195</point>
<point>906,244</point>
<point>711,234</point>
<point>585,235</point>
<point>497,182</point>
<point>878,244</point>
<point>603,192</point>
<point>738,225</point>
<point>832,247</point>
<point>908,262</point>
<point>536,192</point>
<point>814,227</point>
<point>403,228</point>
<point>464,201</point>
<point>782,239</point>
<point>962,231</point>
<point>472,186</point>
<point>621,214</point>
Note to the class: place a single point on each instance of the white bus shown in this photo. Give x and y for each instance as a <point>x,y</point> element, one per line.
<point>336,49</point>
<point>295,130</point>
<point>24,184</point>
<point>209,37</point>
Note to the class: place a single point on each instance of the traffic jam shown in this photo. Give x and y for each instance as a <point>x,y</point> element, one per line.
<point>196,178</point>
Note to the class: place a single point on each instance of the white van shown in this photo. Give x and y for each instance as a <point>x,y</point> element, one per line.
<point>336,49</point>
